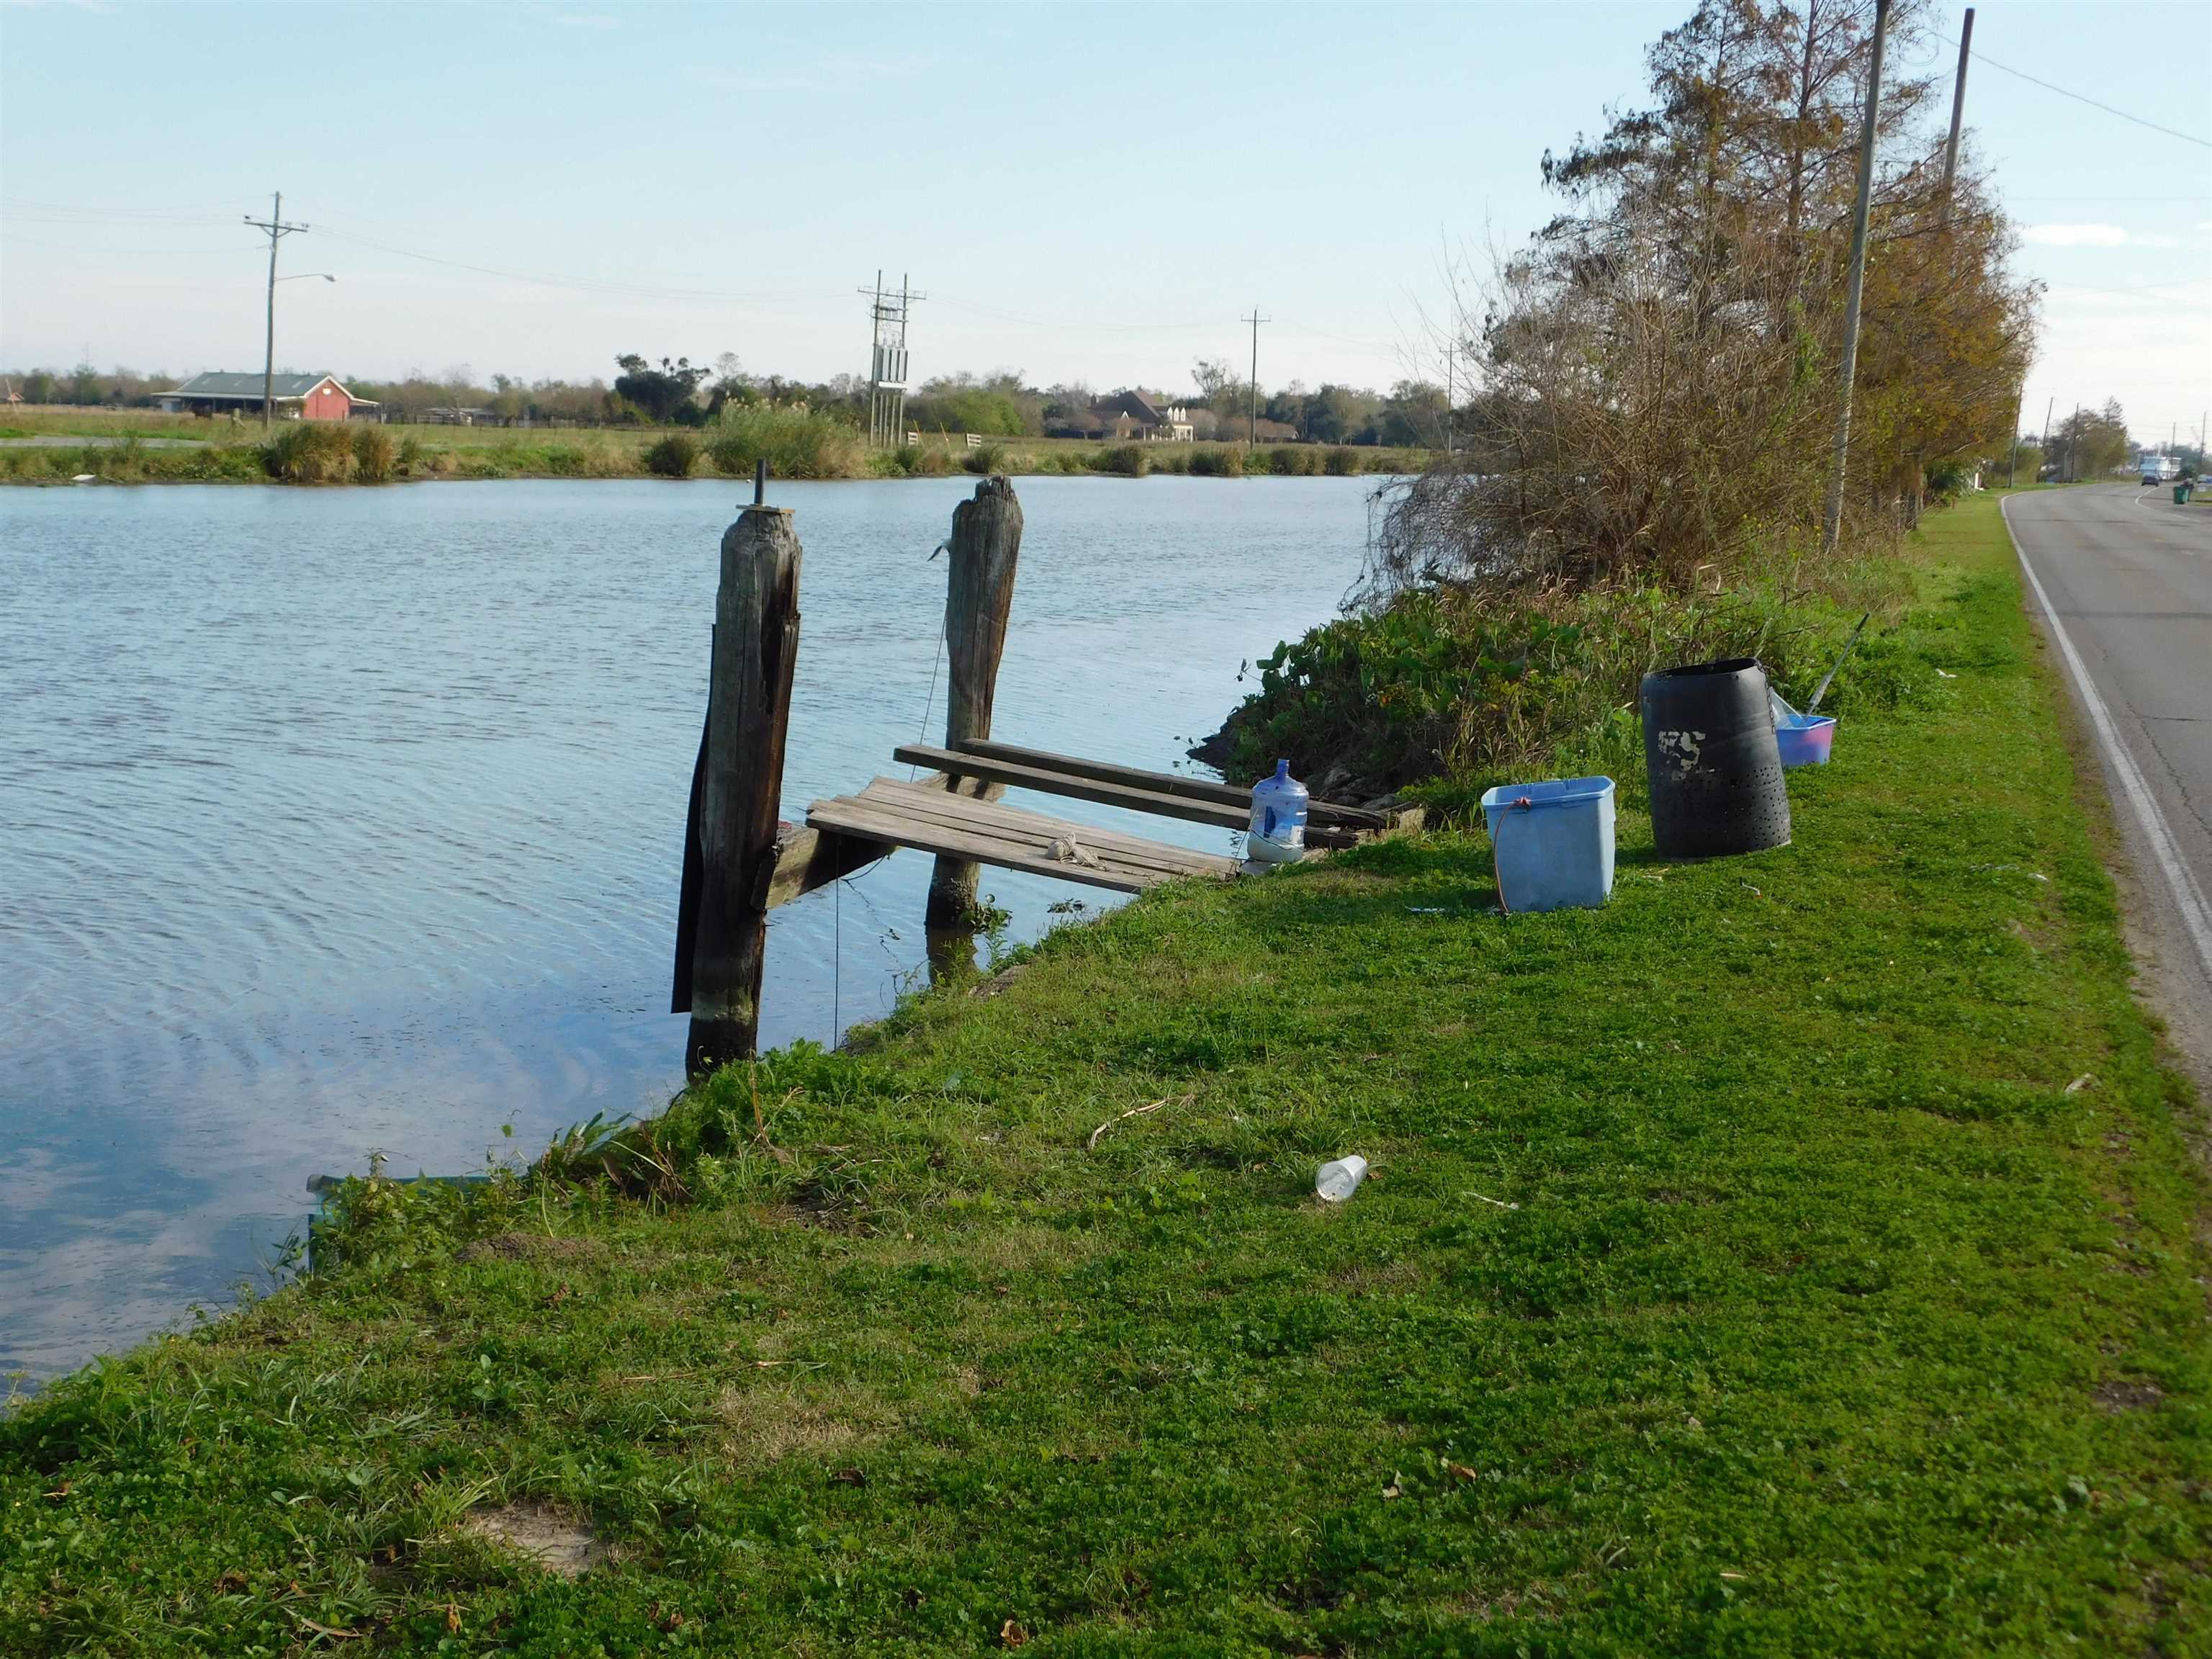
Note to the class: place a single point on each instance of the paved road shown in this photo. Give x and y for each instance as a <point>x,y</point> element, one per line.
<point>2121,579</point>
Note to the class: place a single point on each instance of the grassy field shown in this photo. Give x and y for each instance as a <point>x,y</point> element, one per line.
<point>231,451</point>
<point>1798,1256</point>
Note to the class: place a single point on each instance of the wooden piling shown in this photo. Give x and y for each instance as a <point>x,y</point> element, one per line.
<point>985,547</point>
<point>747,709</point>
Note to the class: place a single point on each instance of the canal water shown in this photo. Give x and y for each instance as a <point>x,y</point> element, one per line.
<point>351,821</point>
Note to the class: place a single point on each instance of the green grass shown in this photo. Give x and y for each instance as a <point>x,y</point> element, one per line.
<point>1827,1318</point>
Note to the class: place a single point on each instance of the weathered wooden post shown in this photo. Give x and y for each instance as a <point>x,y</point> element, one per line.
<point>740,782</point>
<point>986,544</point>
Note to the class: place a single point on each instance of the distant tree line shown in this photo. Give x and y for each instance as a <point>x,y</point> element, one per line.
<point>679,392</point>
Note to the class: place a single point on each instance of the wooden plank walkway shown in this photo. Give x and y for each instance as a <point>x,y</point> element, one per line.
<point>963,763</point>
<point>929,817</point>
<point>1330,815</point>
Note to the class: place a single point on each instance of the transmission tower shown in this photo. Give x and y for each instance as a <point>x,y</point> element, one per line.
<point>887,375</point>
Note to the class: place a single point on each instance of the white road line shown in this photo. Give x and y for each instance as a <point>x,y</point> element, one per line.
<point>2189,897</point>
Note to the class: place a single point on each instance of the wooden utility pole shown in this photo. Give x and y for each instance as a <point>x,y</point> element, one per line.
<point>985,547</point>
<point>1252,424</point>
<point>747,709</point>
<point>277,230</point>
<point>1833,519</point>
<point>1958,114</point>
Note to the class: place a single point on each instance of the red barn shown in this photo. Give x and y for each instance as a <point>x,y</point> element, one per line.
<point>295,396</point>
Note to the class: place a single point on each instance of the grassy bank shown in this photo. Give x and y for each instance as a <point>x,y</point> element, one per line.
<point>795,447</point>
<point>1795,1257</point>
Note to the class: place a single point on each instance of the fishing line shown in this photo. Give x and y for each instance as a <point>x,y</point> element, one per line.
<point>930,701</point>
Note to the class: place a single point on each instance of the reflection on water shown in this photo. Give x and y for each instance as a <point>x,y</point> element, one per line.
<point>343,821</point>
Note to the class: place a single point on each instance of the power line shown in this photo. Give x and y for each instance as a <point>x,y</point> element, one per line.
<point>1069,327</point>
<point>2093,103</point>
<point>585,285</point>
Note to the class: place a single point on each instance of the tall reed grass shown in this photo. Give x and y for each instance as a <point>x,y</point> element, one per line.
<point>311,453</point>
<point>796,442</point>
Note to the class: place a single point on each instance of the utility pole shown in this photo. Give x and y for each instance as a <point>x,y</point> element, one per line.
<point>277,230</point>
<point>1833,518</point>
<point>1252,424</point>
<point>2012,472</point>
<point>887,362</point>
<point>2073,447</point>
<point>1958,113</point>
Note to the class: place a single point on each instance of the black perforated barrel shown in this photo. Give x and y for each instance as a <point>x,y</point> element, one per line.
<point>1716,774</point>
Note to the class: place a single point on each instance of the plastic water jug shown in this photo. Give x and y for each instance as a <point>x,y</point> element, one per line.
<point>1279,819</point>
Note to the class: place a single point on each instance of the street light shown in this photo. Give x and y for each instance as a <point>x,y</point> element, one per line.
<point>269,363</point>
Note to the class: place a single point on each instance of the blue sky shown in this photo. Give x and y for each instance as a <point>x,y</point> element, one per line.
<point>1082,192</point>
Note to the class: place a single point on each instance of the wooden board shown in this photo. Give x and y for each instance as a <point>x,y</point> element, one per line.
<point>1323,814</point>
<point>807,859</point>
<point>936,820</point>
<point>964,762</point>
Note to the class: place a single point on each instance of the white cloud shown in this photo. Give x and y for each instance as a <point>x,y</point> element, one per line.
<point>2075,235</point>
<point>2096,236</point>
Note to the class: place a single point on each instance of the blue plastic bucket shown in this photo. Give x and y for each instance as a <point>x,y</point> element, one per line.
<point>1553,843</point>
<point>1803,741</point>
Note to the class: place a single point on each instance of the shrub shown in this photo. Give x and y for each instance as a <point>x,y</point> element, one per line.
<point>1172,457</point>
<point>991,458</point>
<point>565,461</point>
<point>796,442</point>
<point>376,456</point>
<point>1453,687</point>
<point>1947,480</point>
<point>311,453</point>
<point>673,457</point>
<point>1289,461</point>
<point>1123,461</point>
<point>1227,462</point>
<point>1342,462</point>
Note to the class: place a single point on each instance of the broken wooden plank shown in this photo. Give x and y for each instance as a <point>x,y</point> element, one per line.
<point>964,811</point>
<point>1328,814</point>
<point>962,763</point>
<point>847,815</point>
<point>1113,795</point>
<point>807,859</point>
<point>988,832</point>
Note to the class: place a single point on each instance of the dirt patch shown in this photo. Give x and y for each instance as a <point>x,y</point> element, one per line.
<point>547,1537</point>
<point>1383,1277</point>
<point>997,982</point>
<point>768,1422</point>
<point>530,1246</point>
<point>2117,1397</point>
